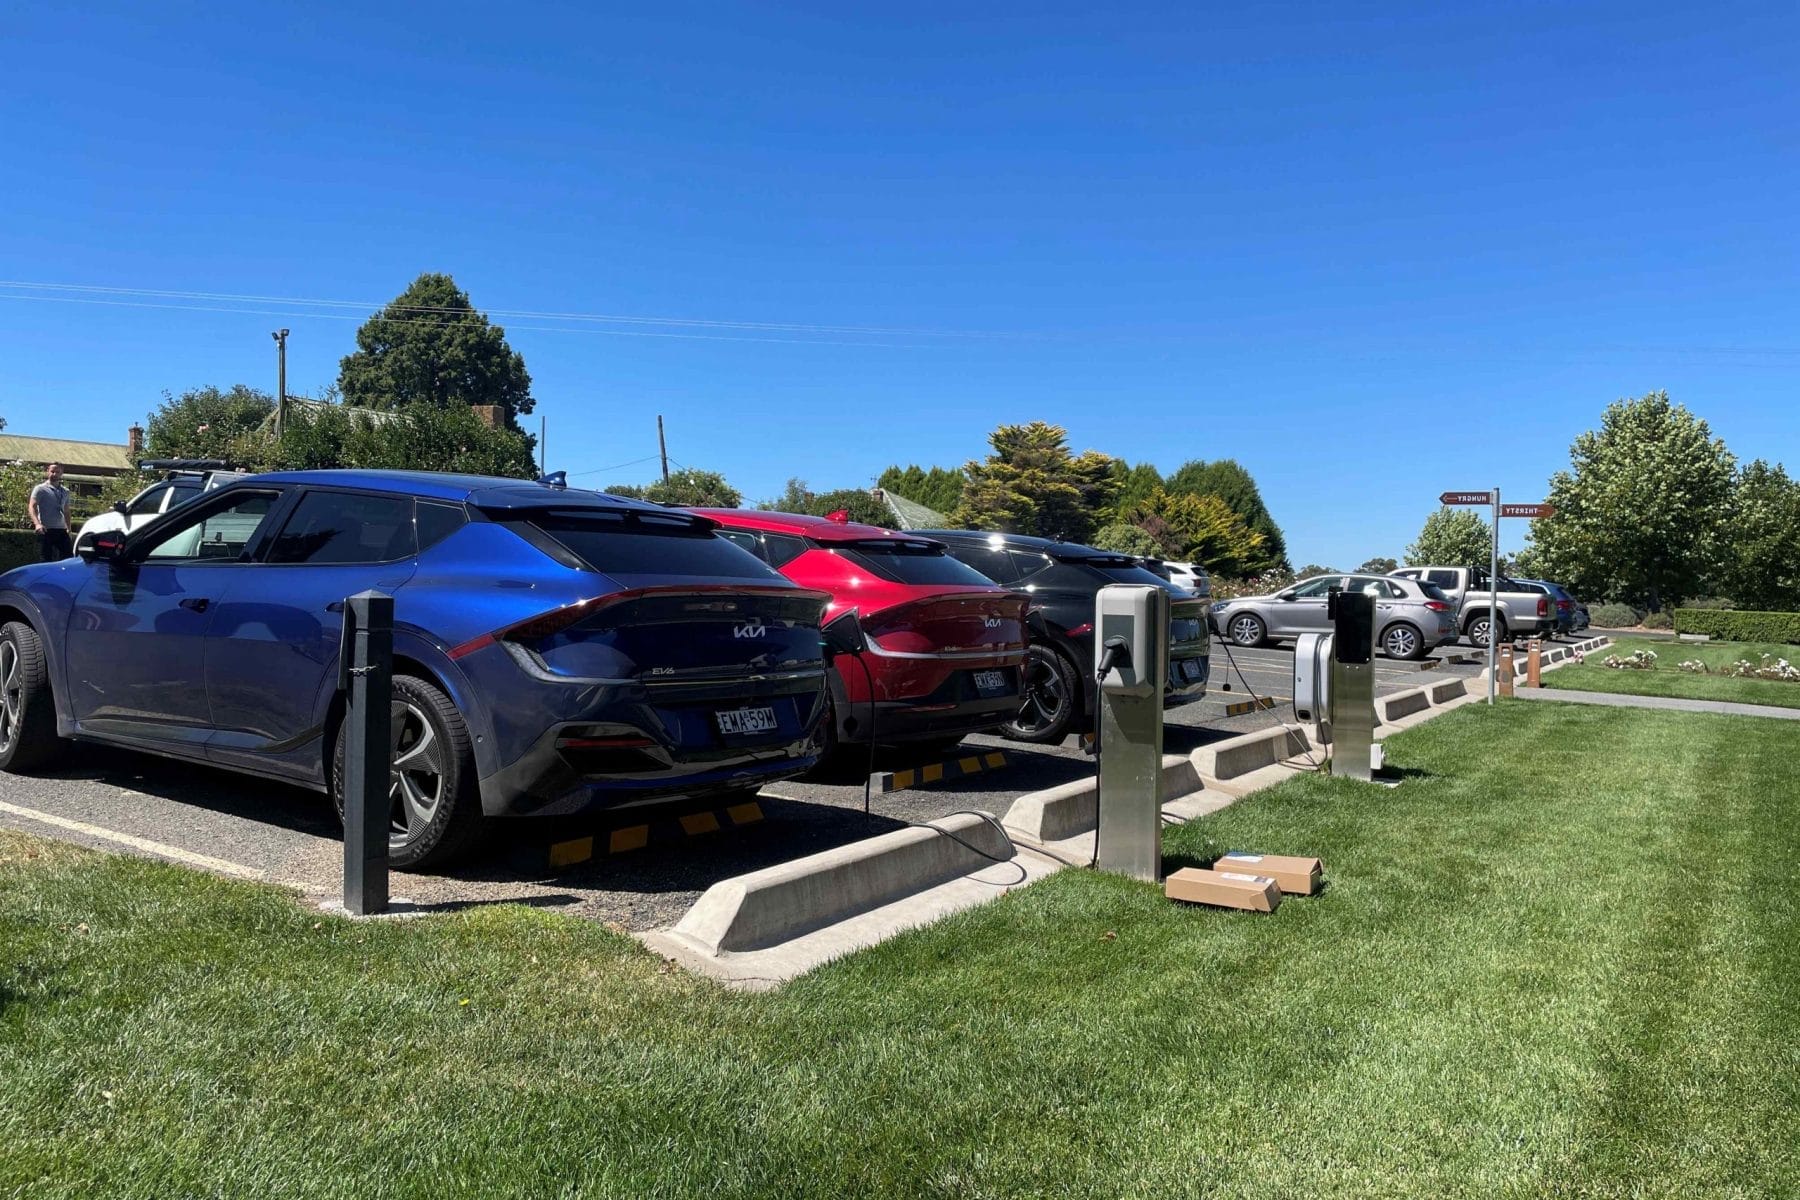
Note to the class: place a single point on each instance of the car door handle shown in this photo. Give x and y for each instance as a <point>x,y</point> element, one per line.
<point>336,606</point>
<point>197,603</point>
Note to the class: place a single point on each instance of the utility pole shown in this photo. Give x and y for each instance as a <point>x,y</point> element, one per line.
<point>663,446</point>
<point>280,336</point>
<point>543,445</point>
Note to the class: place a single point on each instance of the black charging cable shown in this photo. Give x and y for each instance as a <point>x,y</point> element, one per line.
<point>1257,700</point>
<point>1115,653</point>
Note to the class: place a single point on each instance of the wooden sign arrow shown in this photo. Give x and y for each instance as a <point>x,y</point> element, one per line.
<point>1466,498</point>
<point>1528,510</point>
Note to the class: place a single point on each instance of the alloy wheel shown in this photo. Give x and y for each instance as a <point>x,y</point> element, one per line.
<point>416,776</point>
<point>12,694</point>
<point>1402,642</point>
<point>1043,699</point>
<point>1478,632</point>
<point>1246,630</point>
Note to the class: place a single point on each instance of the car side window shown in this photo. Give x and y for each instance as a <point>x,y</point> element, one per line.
<point>1028,563</point>
<point>748,541</point>
<point>990,562</point>
<point>1443,579</point>
<point>1316,589</point>
<point>437,521</point>
<point>780,549</point>
<point>150,502</point>
<point>219,533</point>
<point>345,527</point>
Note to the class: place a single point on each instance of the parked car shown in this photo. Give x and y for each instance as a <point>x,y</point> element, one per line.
<point>1062,579</point>
<point>1522,613</point>
<point>1191,576</point>
<point>946,645</point>
<point>1411,618</point>
<point>186,478</point>
<point>1571,618</point>
<point>554,650</point>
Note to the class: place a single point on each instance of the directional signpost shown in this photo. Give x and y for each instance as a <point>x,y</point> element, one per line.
<point>1477,499</point>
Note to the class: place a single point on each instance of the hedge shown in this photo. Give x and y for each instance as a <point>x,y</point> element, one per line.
<point>1735,626</point>
<point>17,547</point>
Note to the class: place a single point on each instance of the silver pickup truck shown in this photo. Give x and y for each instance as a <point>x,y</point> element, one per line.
<point>1522,614</point>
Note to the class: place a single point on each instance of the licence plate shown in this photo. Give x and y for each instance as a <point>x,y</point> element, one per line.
<point>992,683</point>
<point>747,720</point>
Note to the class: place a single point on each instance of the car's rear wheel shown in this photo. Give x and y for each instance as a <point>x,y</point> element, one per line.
<point>1247,629</point>
<point>1403,641</point>
<point>1049,698</point>
<point>27,710</point>
<point>1478,630</point>
<point>434,800</point>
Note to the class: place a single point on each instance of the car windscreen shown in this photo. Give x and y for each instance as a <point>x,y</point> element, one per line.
<point>624,543</point>
<point>910,562</point>
<point>1121,570</point>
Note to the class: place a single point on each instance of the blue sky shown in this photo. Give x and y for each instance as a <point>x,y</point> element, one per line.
<point>1372,252</point>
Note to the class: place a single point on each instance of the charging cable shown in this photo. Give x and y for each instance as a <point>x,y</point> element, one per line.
<point>1115,653</point>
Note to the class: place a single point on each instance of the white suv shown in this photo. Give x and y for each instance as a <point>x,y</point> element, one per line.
<point>183,483</point>
<point>1191,576</point>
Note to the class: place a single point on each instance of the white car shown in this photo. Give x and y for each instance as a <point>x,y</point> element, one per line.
<point>1191,576</point>
<point>178,488</point>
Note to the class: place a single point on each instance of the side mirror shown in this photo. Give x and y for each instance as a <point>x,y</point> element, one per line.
<point>842,635</point>
<point>122,508</point>
<point>108,547</point>
<point>1284,595</point>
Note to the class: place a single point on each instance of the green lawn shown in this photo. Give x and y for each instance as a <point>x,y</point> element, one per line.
<point>1666,679</point>
<point>1562,959</point>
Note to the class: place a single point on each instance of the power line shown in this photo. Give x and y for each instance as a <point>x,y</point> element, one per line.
<point>527,314</point>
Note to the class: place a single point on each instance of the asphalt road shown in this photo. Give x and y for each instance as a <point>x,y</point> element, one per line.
<point>121,801</point>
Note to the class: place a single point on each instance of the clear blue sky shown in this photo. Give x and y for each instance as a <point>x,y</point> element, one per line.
<point>1347,245</point>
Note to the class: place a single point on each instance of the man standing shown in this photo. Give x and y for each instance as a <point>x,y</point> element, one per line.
<point>49,509</point>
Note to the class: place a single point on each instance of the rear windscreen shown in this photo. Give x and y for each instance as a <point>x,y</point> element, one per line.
<point>632,543</point>
<point>1119,570</point>
<point>1434,592</point>
<point>911,562</point>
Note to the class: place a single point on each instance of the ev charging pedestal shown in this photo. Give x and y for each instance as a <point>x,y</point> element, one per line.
<point>1334,684</point>
<point>1131,654</point>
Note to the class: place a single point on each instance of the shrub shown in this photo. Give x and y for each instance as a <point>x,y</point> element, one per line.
<point>1658,620</point>
<point>17,548</point>
<point>1710,602</point>
<point>1739,626</point>
<point>1639,660</point>
<point>1769,667</point>
<point>1614,616</point>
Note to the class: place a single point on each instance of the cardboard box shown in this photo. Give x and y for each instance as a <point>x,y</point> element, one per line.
<point>1226,889</point>
<point>1297,876</point>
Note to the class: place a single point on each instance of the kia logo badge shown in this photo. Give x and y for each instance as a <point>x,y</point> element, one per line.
<point>750,629</point>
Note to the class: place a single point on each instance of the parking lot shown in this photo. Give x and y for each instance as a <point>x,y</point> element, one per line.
<point>121,801</point>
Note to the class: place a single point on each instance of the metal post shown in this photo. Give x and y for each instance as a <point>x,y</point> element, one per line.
<point>280,336</point>
<point>1494,600</point>
<point>366,672</point>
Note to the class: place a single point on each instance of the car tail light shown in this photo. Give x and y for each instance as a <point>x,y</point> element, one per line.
<point>1082,630</point>
<point>1543,606</point>
<point>1437,606</point>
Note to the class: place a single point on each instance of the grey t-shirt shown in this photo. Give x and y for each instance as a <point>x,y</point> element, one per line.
<point>52,505</point>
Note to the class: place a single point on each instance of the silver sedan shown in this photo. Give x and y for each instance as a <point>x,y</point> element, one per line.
<point>1411,618</point>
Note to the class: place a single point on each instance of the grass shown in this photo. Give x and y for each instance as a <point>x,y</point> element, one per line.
<point>1666,679</point>
<point>1562,959</point>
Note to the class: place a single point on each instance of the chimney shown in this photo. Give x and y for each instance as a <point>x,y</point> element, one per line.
<point>134,442</point>
<point>492,415</point>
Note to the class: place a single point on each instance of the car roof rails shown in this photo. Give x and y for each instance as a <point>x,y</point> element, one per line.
<point>182,464</point>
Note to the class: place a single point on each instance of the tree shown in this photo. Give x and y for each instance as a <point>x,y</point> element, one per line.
<point>1032,484</point>
<point>691,488</point>
<point>1135,484</point>
<point>1125,538</point>
<point>1200,529</point>
<point>205,422</point>
<point>1452,537</point>
<point>1643,513</point>
<point>1311,569</point>
<point>1377,566</point>
<point>1229,481</point>
<point>418,438</point>
<point>939,488</point>
<point>1762,558</point>
<point>857,504</point>
<point>794,499</point>
<point>430,346</point>
<point>629,491</point>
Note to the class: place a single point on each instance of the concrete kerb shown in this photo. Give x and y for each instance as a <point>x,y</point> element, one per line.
<point>1071,809</point>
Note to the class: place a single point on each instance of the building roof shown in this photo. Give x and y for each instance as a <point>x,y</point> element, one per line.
<point>909,513</point>
<point>105,456</point>
<point>819,529</point>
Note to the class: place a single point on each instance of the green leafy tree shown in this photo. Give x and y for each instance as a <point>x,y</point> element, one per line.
<point>691,488</point>
<point>1032,484</point>
<point>1128,539</point>
<point>1227,479</point>
<point>1762,557</point>
<point>431,347</point>
<point>857,504</point>
<point>1311,569</point>
<point>1134,485</point>
<point>940,488</point>
<point>1643,513</point>
<point>1377,566</point>
<point>418,438</point>
<point>630,491</point>
<point>205,422</point>
<point>1201,529</point>
<point>793,499</point>
<point>1452,537</point>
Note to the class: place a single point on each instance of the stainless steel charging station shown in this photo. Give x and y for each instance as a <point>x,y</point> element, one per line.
<point>1131,655</point>
<point>1334,684</point>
